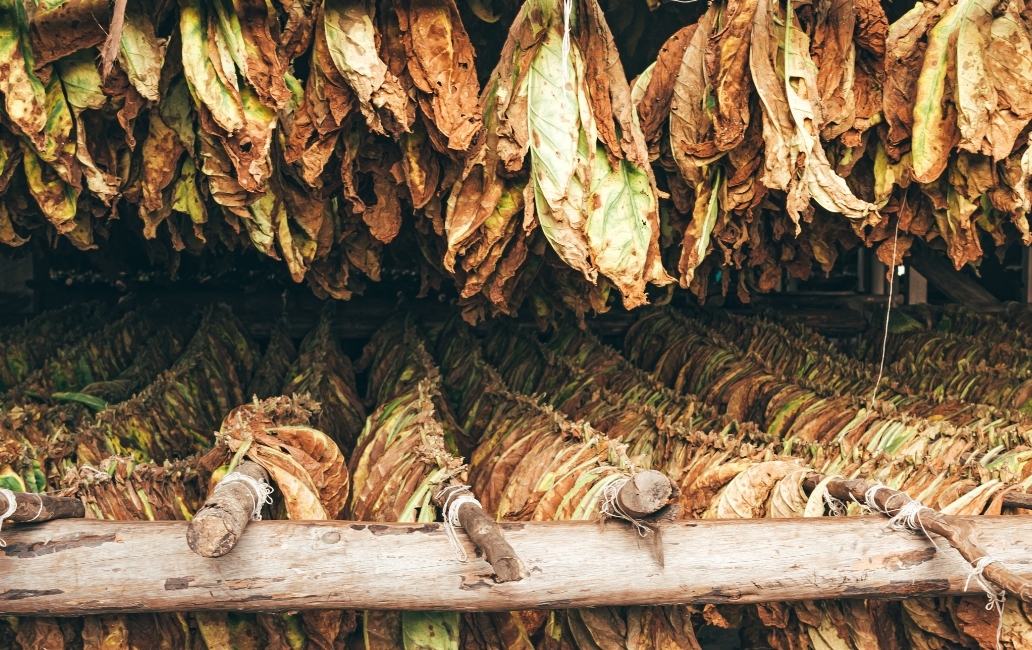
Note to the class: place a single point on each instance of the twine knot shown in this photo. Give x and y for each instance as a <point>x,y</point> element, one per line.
<point>259,491</point>
<point>454,497</point>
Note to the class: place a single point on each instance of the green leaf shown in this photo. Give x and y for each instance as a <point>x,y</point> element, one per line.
<point>141,54</point>
<point>24,95</point>
<point>430,630</point>
<point>622,206</point>
<point>562,147</point>
<point>933,135</point>
<point>203,79</point>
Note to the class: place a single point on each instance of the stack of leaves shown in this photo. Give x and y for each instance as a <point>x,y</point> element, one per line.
<point>41,435</point>
<point>560,94</point>
<point>534,463</point>
<point>120,489</point>
<point>26,348</point>
<point>694,358</point>
<point>405,453</point>
<point>98,357</point>
<point>174,416</point>
<point>280,355</point>
<point>311,480</point>
<point>795,353</point>
<point>322,371</point>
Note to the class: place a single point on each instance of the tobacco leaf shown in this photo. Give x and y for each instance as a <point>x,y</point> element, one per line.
<point>654,108</point>
<point>440,62</point>
<point>351,40</point>
<point>935,130</point>
<point>562,135</point>
<point>141,54</point>
<point>727,61</point>
<point>24,93</point>
<point>690,123</point>
<point>834,55</point>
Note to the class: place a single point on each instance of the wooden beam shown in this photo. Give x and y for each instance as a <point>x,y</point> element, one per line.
<point>941,274</point>
<point>88,566</point>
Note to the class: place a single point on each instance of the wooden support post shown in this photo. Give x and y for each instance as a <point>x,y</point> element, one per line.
<point>1026,275</point>
<point>486,534</point>
<point>42,507</point>
<point>917,287</point>
<point>89,566</point>
<point>957,286</point>
<point>219,524</point>
<point>879,287</point>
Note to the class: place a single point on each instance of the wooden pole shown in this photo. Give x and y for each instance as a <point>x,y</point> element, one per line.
<point>42,507</point>
<point>90,566</point>
<point>957,531</point>
<point>485,533</point>
<point>219,524</point>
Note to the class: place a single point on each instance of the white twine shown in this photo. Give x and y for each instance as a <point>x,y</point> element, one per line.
<point>455,496</point>
<point>834,506</point>
<point>995,597</point>
<point>888,311</point>
<point>38,512</point>
<point>908,517</point>
<point>609,508</point>
<point>260,491</point>
<point>12,505</point>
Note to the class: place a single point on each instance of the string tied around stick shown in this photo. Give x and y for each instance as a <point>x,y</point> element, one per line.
<point>453,498</point>
<point>12,505</point>
<point>259,491</point>
<point>996,598</point>
<point>908,515</point>
<point>609,507</point>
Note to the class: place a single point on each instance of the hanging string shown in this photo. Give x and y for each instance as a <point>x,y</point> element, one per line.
<point>12,505</point>
<point>260,491</point>
<point>888,308</point>
<point>454,497</point>
<point>997,598</point>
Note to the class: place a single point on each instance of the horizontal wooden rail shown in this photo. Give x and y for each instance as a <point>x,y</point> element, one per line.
<point>74,567</point>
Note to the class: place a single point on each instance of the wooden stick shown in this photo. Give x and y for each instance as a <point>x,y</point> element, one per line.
<point>43,507</point>
<point>645,494</point>
<point>219,524</point>
<point>90,566</point>
<point>487,535</point>
<point>960,532</point>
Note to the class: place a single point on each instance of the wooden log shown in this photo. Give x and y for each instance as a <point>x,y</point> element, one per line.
<point>486,534</point>
<point>90,566</point>
<point>42,507</point>
<point>219,524</point>
<point>961,534</point>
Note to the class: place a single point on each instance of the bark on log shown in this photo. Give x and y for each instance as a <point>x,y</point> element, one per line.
<point>219,524</point>
<point>90,566</point>
<point>487,536</point>
<point>43,507</point>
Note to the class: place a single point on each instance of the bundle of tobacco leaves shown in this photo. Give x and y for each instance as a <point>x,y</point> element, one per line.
<point>322,371</point>
<point>26,348</point>
<point>763,137</point>
<point>279,356</point>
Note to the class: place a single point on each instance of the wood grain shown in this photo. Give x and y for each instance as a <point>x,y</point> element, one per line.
<point>74,567</point>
